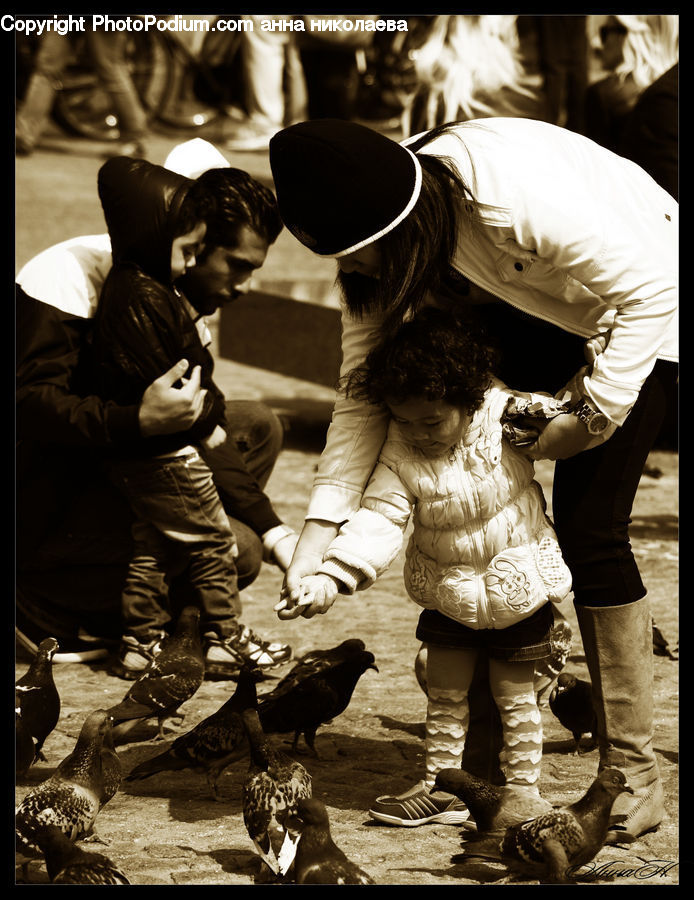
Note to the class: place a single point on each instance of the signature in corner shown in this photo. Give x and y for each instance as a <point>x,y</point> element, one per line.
<point>652,868</point>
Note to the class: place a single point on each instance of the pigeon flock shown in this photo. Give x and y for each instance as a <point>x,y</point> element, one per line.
<point>288,827</point>
<point>62,810</point>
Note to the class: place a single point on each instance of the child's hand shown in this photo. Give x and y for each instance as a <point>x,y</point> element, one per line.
<point>216,439</point>
<point>316,594</point>
<point>595,345</point>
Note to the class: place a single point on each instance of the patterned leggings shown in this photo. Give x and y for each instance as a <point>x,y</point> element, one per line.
<point>449,674</point>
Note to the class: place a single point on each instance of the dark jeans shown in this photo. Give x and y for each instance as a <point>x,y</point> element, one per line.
<point>179,524</point>
<point>71,568</point>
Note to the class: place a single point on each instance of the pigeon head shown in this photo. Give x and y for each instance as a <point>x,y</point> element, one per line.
<point>312,812</point>
<point>614,781</point>
<point>48,647</point>
<point>450,780</point>
<point>365,660</point>
<point>565,681</point>
<point>97,725</point>
<point>189,615</point>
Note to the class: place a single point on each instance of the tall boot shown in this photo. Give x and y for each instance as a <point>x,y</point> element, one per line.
<point>619,653</point>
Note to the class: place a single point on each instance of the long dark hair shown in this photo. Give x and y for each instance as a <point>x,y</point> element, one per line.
<point>417,254</point>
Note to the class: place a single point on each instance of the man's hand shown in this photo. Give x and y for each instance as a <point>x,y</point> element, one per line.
<point>216,439</point>
<point>283,551</point>
<point>563,436</point>
<point>166,409</point>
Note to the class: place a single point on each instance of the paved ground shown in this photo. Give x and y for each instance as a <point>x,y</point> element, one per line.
<point>167,830</point>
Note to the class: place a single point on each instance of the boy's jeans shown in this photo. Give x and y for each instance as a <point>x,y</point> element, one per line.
<point>179,523</point>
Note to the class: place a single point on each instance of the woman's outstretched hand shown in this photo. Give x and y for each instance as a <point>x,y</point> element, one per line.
<point>308,556</point>
<point>316,595</point>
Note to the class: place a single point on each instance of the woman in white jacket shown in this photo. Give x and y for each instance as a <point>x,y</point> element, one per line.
<point>483,560</point>
<point>573,240</point>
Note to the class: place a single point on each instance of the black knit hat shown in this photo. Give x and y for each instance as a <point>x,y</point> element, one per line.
<point>340,186</point>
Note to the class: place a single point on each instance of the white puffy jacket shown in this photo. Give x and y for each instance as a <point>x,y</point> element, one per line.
<point>482,550</point>
<point>562,229</point>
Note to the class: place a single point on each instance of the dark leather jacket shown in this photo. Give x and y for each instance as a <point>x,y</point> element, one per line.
<point>142,325</point>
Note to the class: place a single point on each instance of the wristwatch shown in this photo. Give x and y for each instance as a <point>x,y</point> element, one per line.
<point>595,421</point>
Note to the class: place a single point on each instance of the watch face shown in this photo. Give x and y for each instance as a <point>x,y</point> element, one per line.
<point>598,423</point>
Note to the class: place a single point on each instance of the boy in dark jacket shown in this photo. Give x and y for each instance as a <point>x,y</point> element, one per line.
<point>143,326</point>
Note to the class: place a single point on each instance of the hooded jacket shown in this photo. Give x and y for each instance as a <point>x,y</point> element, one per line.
<point>143,324</point>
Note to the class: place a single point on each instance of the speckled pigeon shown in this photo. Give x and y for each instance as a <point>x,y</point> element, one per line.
<point>68,863</point>
<point>271,790</point>
<point>555,845</point>
<point>171,678</point>
<point>73,795</point>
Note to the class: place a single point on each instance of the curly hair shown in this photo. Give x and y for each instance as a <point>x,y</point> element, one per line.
<point>239,201</point>
<point>437,354</point>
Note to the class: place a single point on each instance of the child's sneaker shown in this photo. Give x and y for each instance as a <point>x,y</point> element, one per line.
<point>224,657</point>
<point>419,807</point>
<point>134,656</point>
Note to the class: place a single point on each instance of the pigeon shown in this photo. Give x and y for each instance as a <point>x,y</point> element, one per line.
<point>547,669</point>
<point>314,700</point>
<point>571,701</point>
<point>212,744</point>
<point>491,807</point>
<point>271,790</point>
<point>661,647</point>
<point>37,705</point>
<point>68,863</point>
<point>171,678</point>
<point>73,795</point>
<point>318,859</point>
<point>555,845</point>
<point>313,662</point>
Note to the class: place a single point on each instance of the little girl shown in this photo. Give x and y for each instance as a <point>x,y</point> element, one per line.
<point>483,558</point>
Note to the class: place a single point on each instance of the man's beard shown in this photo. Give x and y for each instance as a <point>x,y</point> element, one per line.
<point>205,304</point>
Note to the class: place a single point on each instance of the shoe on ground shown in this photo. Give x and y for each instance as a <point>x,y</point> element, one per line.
<point>134,656</point>
<point>224,657</point>
<point>419,807</point>
<point>81,649</point>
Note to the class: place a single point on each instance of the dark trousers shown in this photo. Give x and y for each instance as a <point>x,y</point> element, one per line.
<point>179,523</point>
<point>71,572</point>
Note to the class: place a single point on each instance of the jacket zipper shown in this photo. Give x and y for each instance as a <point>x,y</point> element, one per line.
<point>458,457</point>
